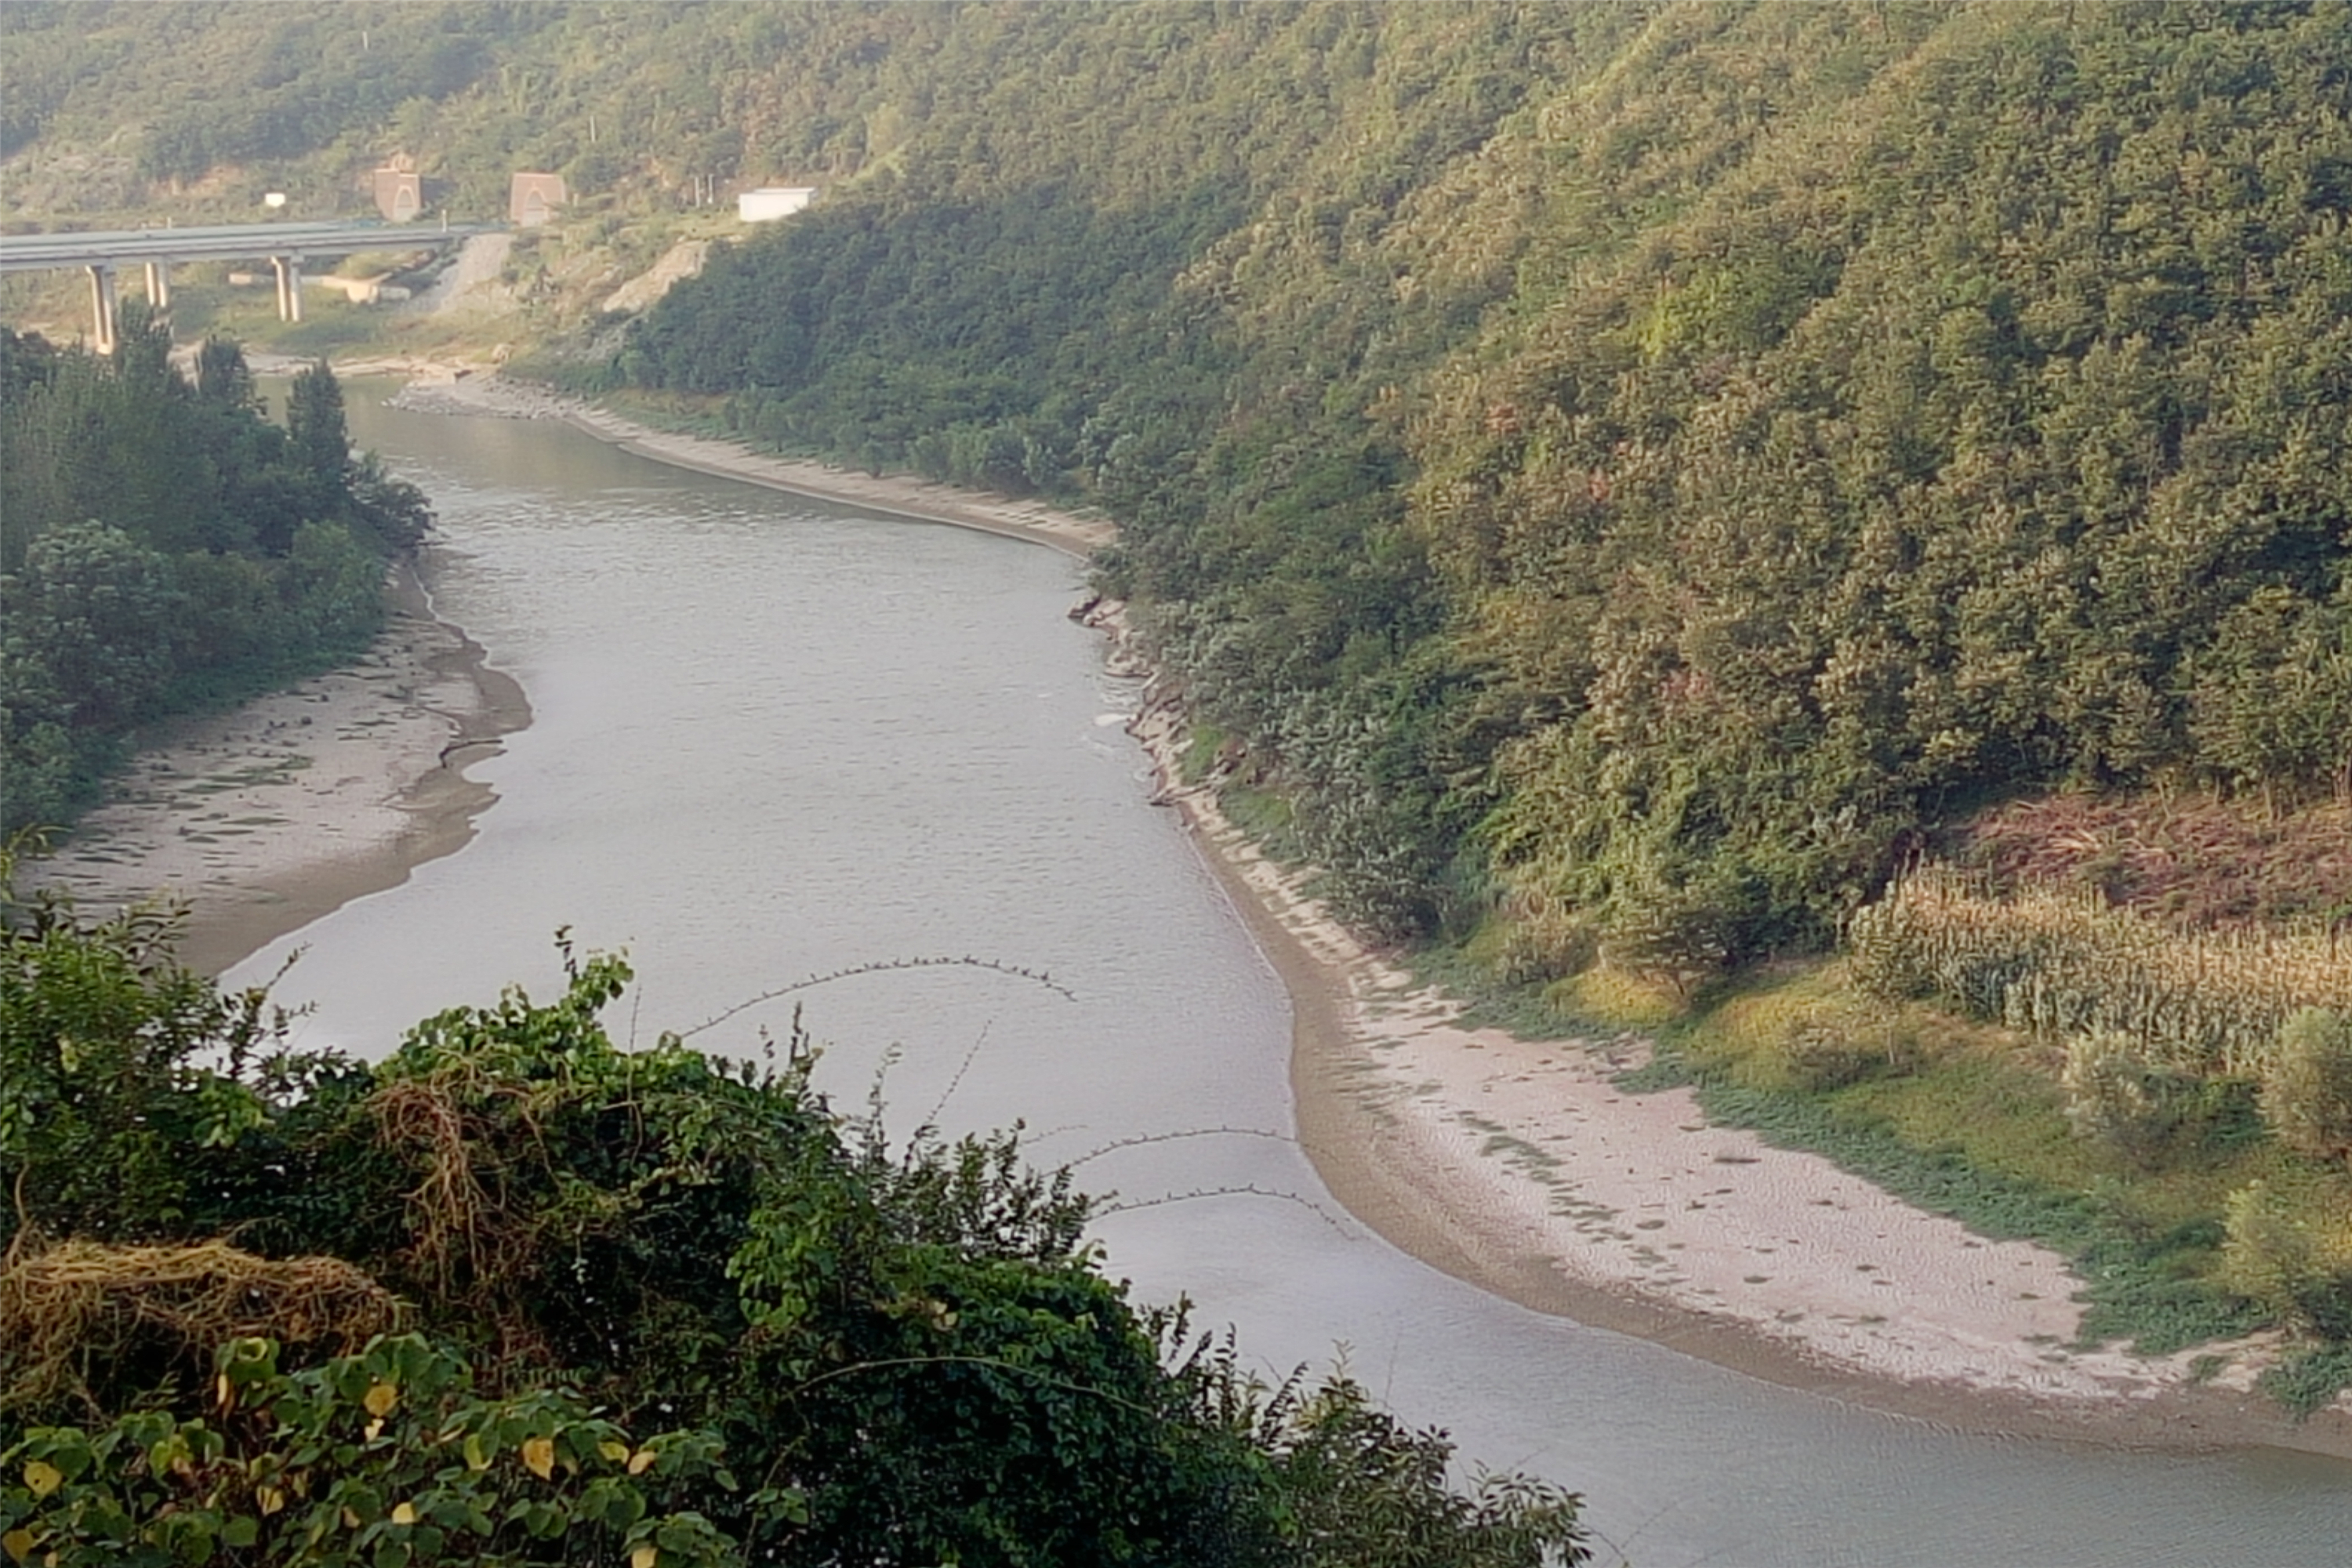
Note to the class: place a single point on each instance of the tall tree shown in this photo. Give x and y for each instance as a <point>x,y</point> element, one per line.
<point>315,428</point>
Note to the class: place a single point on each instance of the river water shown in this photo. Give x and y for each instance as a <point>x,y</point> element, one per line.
<point>775,739</point>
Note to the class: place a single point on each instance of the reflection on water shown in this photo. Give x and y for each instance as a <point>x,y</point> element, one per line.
<point>772,740</point>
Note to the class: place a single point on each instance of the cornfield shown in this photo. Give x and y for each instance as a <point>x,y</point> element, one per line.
<point>2061,964</point>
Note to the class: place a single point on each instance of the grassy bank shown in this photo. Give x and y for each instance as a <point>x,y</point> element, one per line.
<point>1961,1117</point>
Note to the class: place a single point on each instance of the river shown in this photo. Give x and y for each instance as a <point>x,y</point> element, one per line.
<point>775,739</point>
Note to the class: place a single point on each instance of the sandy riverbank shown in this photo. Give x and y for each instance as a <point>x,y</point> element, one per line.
<point>265,819</point>
<point>1518,1166</point>
<point>1522,1167</point>
<point>895,495</point>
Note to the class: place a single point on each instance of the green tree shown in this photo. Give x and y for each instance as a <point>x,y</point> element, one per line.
<point>95,607</point>
<point>316,433</point>
<point>222,375</point>
<point>2307,1089</point>
<point>164,543</point>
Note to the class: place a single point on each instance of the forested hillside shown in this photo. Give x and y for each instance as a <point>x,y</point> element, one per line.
<point>1985,431</point>
<point>1636,492</point>
<point>1638,467</point>
<point>163,544</point>
<point>1653,466</point>
<point>1634,482</point>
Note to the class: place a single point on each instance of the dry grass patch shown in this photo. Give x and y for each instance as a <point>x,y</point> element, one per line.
<point>73,1316</point>
<point>2193,862</point>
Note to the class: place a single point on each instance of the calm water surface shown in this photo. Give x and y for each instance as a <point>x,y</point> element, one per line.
<point>775,739</point>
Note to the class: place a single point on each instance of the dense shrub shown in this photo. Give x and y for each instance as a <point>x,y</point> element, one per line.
<point>2290,1251</point>
<point>857,1352</point>
<point>2116,1098</point>
<point>2306,1084</point>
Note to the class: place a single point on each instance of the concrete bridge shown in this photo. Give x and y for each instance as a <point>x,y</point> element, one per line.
<point>285,246</point>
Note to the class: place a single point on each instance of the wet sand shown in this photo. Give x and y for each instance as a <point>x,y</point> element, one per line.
<point>1519,1166</point>
<point>265,819</point>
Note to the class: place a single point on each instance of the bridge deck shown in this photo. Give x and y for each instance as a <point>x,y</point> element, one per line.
<point>221,242</point>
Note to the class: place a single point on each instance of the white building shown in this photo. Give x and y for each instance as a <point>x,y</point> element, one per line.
<point>770,203</point>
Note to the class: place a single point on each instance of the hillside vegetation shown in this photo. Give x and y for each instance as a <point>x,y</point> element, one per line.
<point>1640,469</point>
<point>1640,493</point>
<point>1640,465</point>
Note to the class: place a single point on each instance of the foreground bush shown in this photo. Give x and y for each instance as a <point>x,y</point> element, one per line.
<point>387,1458</point>
<point>857,1353</point>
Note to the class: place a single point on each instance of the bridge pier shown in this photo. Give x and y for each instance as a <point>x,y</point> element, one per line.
<point>290,287</point>
<point>101,307</point>
<point>284,246</point>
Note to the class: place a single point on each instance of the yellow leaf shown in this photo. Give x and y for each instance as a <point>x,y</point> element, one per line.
<point>380,1399</point>
<point>19,1544</point>
<point>616,1452</point>
<point>405,1513</point>
<point>226,1389</point>
<point>42,1477</point>
<point>642,1460</point>
<point>538,1457</point>
<point>271,1499</point>
<point>372,1430</point>
<point>645,1556</point>
<point>351,1520</point>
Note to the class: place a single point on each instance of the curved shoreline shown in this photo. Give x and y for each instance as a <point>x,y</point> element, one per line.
<point>1521,1196</point>
<point>1388,1096</point>
<point>896,496</point>
<point>1377,1135</point>
<point>1377,1151</point>
<point>273,815</point>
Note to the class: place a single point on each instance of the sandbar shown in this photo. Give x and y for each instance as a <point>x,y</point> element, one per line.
<point>264,818</point>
